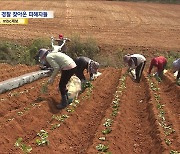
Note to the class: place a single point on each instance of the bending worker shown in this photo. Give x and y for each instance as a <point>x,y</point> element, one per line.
<point>43,63</point>
<point>85,63</point>
<point>60,61</point>
<point>137,62</point>
<point>159,62</point>
<point>55,48</point>
<point>176,67</point>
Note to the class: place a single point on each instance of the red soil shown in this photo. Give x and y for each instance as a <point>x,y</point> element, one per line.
<point>26,110</point>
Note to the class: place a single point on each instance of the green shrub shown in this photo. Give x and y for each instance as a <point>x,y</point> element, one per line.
<point>115,59</point>
<point>171,56</point>
<point>10,52</point>
<point>77,48</point>
<point>14,54</point>
<point>36,45</point>
<point>157,1</point>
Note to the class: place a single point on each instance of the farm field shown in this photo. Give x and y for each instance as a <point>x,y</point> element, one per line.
<point>114,114</point>
<point>145,118</point>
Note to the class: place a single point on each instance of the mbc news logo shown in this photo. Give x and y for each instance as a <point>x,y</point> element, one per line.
<point>13,21</point>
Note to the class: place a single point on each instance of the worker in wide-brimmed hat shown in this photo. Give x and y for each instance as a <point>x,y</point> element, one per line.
<point>160,63</point>
<point>137,62</point>
<point>176,67</point>
<point>60,62</point>
<point>43,63</point>
<point>85,63</point>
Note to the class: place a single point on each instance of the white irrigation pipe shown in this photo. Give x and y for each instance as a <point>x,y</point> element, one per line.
<point>21,80</point>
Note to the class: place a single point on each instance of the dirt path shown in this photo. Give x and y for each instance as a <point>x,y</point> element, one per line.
<point>170,98</point>
<point>134,129</point>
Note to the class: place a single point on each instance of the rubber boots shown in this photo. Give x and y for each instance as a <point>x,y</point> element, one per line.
<point>64,102</point>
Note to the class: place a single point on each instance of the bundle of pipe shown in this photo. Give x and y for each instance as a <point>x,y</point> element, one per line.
<point>21,80</point>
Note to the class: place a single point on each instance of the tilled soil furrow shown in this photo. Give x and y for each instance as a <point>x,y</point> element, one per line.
<point>17,99</point>
<point>77,133</point>
<point>12,72</point>
<point>170,99</point>
<point>135,129</point>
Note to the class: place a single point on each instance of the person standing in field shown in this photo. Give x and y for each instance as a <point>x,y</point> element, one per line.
<point>176,67</point>
<point>60,62</point>
<point>137,62</point>
<point>85,63</point>
<point>62,42</point>
<point>160,63</point>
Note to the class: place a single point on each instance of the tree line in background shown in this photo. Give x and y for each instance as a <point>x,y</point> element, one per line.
<point>157,1</point>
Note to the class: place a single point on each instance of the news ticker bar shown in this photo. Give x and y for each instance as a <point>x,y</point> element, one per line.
<point>26,14</point>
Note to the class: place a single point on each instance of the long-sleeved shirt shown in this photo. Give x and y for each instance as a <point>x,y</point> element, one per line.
<point>57,48</point>
<point>86,63</point>
<point>176,65</point>
<point>59,61</point>
<point>158,62</point>
<point>135,60</point>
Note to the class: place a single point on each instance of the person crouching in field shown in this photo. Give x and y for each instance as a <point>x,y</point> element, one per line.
<point>44,65</point>
<point>176,67</point>
<point>137,62</point>
<point>55,48</point>
<point>85,63</point>
<point>60,61</point>
<point>159,62</point>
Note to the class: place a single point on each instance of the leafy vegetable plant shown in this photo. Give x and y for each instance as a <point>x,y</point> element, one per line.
<point>102,147</point>
<point>43,138</point>
<point>22,146</point>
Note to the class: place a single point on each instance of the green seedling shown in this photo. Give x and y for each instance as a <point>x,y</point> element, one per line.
<point>43,138</point>
<point>160,106</point>
<point>35,104</point>
<point>69,110</point>
<point>39,99</point>
<point>102,138</point>
<point>10,119</point>
<point>157,97</point>
<point>178,82</point>
<point>168,142</point>
<point>54,126</point>
<point>26,108</point>
<point>74,105</point>
<point>76,101</point>
<point>158,78</point>
<point>60,118</point>
<point>168,130</point>
<point>115,112</point>
<point>106,131</point>
<point>86,84</point>
<point>102,147</point>
<point>44,88</point>
<point>108,123</point>
<point>20,113</point>
<point>174,152</point>
<point>22,146</point>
